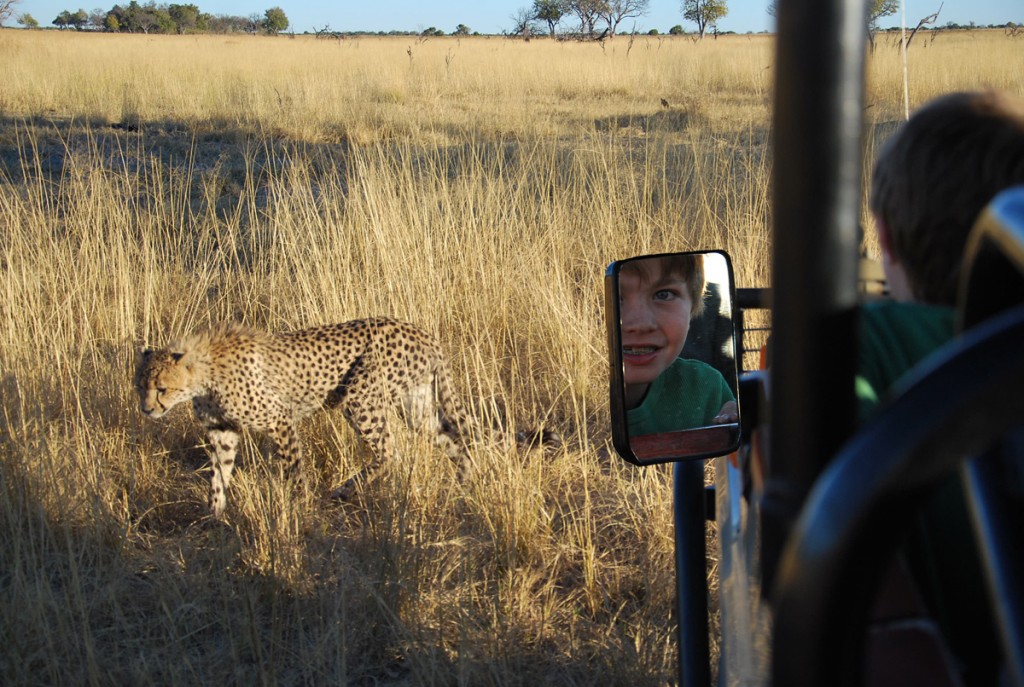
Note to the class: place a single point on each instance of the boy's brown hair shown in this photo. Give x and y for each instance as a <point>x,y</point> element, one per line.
<point>688,268</point>
<point>934,176</point>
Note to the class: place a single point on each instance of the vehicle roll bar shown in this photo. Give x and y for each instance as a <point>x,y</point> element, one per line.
<point>820,46</point>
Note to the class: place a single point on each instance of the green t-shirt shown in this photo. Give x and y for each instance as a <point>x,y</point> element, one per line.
<point>686,395</point>
<point>894,337</point>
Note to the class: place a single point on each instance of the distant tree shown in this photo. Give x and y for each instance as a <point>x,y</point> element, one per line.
<point>677,30</point>
<point>185,17</point>
<point>136,18</point>
<point>653,32</point>
<point>79,20</point>
<point>588,12</point>
<point>112,19</point>
<point>617,10</point>
<point>881,8</point>
<point>461,30</point>
<point>876,10</point>
<point>62,20</point>
<point>28,21</point>
<point>147,23</point>
<point>157,19</point>
<point>550,12</point>
<point>140,19</point>
<point>704,13</point>
<point>224,23</point>
<point>274,20</point>
<point>96,19</point>
<point>522,23</point>
<point>7,9</point>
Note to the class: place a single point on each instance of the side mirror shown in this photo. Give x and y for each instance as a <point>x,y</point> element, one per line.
<point>672,348</point>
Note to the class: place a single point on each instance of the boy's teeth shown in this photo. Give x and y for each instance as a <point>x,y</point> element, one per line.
<point>638,350</point>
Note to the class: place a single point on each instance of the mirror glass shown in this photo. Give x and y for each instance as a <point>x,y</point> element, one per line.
<point>672,348</point>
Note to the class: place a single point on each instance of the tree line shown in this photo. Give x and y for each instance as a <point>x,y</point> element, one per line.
<point>600,19</point>
<point>164,18</point>
<point>581,19</point>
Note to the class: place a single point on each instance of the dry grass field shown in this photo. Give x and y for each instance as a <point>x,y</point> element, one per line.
<point>151,185</point>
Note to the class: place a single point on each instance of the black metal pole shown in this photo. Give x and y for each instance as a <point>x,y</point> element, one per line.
<point>691,574</point>
<point>816,203</point>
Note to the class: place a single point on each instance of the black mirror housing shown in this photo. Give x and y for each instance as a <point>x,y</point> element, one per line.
<point>673,375</point>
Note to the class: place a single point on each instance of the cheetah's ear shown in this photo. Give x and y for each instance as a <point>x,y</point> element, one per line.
<point>144,352</point>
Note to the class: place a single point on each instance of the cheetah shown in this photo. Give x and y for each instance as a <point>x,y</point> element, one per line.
<point>237,377</point>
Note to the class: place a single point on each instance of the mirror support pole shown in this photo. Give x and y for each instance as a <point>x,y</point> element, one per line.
<point>691,573</point>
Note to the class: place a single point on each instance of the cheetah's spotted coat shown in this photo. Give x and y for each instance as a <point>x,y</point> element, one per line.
<point>238,377</point>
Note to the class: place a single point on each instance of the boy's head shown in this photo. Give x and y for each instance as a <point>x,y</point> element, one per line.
<point>658,298</point>
<point>933,178</point>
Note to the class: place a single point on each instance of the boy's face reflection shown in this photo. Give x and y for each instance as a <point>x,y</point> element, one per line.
<point>655,310</point>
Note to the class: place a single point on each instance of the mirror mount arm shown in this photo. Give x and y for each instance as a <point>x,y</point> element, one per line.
<point>753,393</point>
<point>690,511</point>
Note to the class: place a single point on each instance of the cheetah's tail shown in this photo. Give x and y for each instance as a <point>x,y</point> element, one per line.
<point>546,439</point>
<point>456,420</point>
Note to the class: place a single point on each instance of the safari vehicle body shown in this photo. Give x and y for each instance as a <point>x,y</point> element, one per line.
<point>810,509</point>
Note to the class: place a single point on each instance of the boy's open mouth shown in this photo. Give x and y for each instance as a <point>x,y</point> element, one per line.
<point>638,350</point>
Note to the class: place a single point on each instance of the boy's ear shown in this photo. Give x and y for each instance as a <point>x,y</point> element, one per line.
<point>895,272</point>
<point>884,239</point>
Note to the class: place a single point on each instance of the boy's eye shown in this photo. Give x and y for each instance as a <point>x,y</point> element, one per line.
<point>665,294</point>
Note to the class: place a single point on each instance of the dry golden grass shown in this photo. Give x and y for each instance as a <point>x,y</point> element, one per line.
<point>153,185</point>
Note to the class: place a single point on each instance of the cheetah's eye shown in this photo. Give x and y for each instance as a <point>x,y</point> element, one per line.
<point>161,390</point>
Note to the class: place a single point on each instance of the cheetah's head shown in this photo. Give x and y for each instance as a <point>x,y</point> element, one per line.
<point>163,379</point>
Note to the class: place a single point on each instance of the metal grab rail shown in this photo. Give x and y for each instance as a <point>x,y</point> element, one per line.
<point>992,281</point>
<point>751,337</point>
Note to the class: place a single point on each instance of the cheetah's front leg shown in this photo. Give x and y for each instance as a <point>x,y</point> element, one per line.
<point>224,445</point>
<point>222,435</point>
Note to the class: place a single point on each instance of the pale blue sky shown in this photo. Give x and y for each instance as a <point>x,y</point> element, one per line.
<point>493,16</point>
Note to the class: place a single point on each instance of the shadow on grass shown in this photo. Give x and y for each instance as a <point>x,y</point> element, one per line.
<point>88,602</point>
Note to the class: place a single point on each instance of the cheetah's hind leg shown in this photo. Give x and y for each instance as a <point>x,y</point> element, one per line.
<point>422,412</point>
<point>366,411</point>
